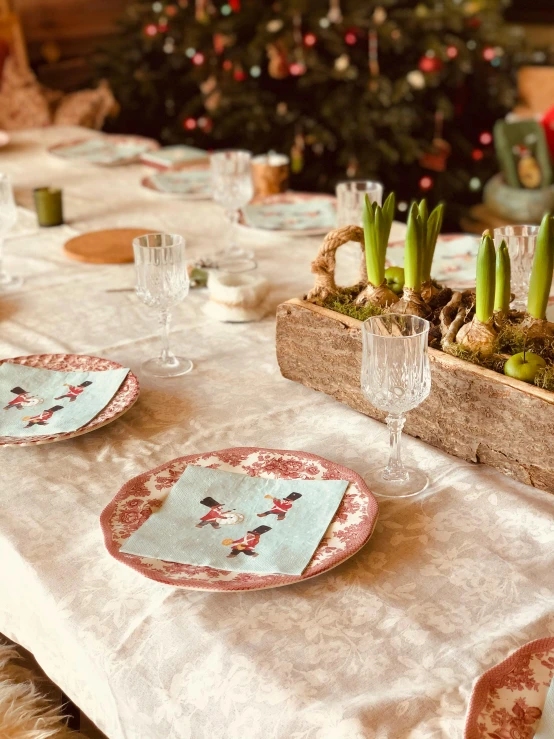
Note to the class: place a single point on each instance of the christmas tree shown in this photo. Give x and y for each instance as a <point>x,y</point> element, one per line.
<point>403,93</point>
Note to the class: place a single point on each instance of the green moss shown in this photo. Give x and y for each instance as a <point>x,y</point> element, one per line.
<point>545,378</point>
<point>343,304</point>
<point>495,362</point>
<point>513,340</point>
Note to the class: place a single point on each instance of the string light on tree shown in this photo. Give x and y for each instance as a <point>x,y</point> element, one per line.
<point>430,64</point>
<point>198,59</point>
<point>163,26</point>
<point>489,53</point>
<point>350,38</point>
<point>171,11</point>
<point>477,155</point>
<point>485,138</point>
<point>190,52</point>
<point>475,184</point>
<point>189,124</point>
<point>157,7</point>
<point>297,69</point>
<point>452,52</point>
<point>151,30</point>
<point>255,71</point>
<point>239,74</point>
<point>227,65</point>
<point>310,39</point>
<point>426,183</point>
<point>402,206</point>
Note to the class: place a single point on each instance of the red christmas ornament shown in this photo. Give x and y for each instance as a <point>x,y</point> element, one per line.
<point>189,124</point>
<point>171,10</point>
<point>474,22</point>
<point>297,69</point>
<point>426,183</point>
<point>151,29</point>
<point>227,65</point>
<point>485,138</point>
<point>477,155</point>
<point>162,27</point>
<point>198,59</point>
<point>235,5</point>
<point>430,64</point>
<point>350,38</point>
<point>310,39</point>
<point>452,52</point>
<point>489,53</point>
<point>239,74</point>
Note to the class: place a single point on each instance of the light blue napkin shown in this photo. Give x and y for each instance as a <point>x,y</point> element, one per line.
<point>168,156</point>
<point>299,216</point>
<point>235,522</point>
<point>545,729</point>
<point>186,182</point>
<point>40,402</point>
<point>102,151</point>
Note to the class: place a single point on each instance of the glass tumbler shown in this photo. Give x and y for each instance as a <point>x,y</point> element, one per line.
<point>521,242</point>
<point>351,199</point>
<point>162,282</point>
<point>396,378</point>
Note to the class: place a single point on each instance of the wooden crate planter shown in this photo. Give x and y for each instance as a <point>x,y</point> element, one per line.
<point>473,413</point>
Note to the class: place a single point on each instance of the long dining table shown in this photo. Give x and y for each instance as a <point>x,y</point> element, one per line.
<point>385,646</point>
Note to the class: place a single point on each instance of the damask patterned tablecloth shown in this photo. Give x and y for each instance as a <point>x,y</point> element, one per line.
<point>386,646</point>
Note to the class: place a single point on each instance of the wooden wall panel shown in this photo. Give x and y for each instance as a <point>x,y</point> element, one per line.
<point>70,29</point>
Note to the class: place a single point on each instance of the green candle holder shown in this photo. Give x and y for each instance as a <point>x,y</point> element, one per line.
<point>48,204</point>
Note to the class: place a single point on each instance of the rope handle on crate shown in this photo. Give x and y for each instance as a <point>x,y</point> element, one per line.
<point>324,264</point>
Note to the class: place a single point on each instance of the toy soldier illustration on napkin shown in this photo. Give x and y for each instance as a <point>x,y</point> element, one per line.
<point>215,515</point>
<point>42,418</point>
<point>74,391</point>
<point>247,544</point>
<point>280,507</point>
<point>23,399</point>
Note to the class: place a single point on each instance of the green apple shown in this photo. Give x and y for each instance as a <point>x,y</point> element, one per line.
<point>395,279</point>
<point>524,366</point>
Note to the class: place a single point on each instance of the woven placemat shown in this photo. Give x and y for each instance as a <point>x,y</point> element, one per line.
<point>112,246</point>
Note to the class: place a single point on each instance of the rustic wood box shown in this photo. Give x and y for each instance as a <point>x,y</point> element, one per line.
<point>473,413</point>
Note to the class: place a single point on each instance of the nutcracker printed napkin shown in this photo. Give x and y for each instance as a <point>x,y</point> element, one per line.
<point>41,402</point>
<point>235,522</point>
<point>297,216</point>
<point>185,182</point>
<point>102,151</point>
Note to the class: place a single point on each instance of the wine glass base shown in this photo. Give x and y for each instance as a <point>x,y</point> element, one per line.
<point>10,282</point>
<point>177,367</point>
<point>416,482</point>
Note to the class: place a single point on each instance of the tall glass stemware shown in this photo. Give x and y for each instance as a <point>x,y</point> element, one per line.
<point>232,188</point>
<point>396,378</point>
<point>521,242</point>
<point>162,282</point>
<point>8,219</point>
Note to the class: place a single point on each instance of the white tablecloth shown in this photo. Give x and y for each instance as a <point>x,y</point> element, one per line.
<point>386,646</point>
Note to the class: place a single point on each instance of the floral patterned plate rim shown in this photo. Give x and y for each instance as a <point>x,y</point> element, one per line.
<point>125,397</point>
<point>348,532</point>
<point>507,700</point>
<point>289,197</point>
<point>110,139</point>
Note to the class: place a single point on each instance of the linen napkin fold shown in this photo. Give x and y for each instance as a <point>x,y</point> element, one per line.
<point>298,216</point>
<point>235,522</point>
<point>41,402</point>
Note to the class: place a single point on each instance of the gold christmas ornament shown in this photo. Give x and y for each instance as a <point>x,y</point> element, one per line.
<point>342,62</point>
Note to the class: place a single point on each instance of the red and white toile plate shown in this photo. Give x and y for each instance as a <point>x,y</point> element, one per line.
<point>107,150</point>
<point>124,398</point>
<point>349,530</point>
<point>507,701</point>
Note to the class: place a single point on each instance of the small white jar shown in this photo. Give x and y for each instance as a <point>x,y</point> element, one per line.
<point>237,298</point>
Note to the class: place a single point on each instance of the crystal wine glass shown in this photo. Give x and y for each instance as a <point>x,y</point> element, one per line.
<point>396,378</point>
<point>8,219</point>
<point>521,242</point>
<point>232,188</point>
<point>162,282</point>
